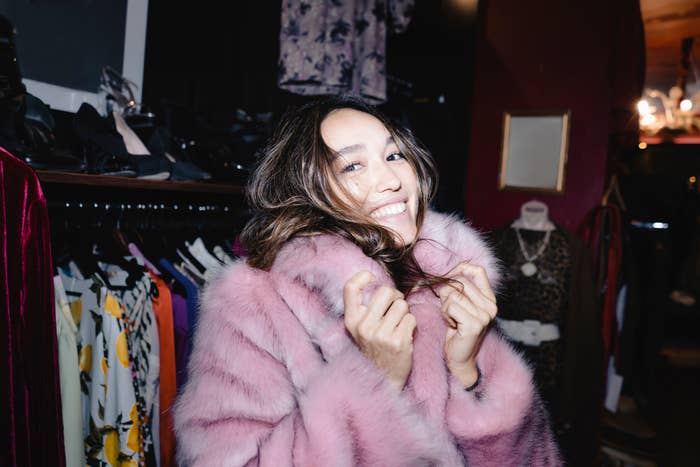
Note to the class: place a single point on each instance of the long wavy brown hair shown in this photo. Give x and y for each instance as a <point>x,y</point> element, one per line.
<point>294,191</point>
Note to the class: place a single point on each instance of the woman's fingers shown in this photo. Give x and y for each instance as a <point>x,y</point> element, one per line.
<point>380,317</point>
<point>471,291</point>
<point>465,314</point>
<point>393,316</point>
<point>406,327</point>
<point>352,298</point>
<point>380,302</point>
<point>478,276</point>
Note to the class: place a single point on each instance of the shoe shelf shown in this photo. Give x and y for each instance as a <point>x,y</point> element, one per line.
<point>68,178</point>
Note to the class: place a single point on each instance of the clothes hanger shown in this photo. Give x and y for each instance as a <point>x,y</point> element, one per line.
<point>613,190</point>
<point>534,215</point>
<point>74,249</point>
<point>111,247</point>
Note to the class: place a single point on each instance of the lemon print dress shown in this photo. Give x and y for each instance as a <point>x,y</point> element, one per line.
<point>113,398</point>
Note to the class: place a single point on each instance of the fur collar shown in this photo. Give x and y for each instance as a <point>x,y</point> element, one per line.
<point>325,262</point>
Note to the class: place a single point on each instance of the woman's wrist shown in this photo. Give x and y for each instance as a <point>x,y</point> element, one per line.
<point>467,373</point>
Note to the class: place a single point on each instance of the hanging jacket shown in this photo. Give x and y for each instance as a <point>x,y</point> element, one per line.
<point>30,393</point>
<point>274,378</point>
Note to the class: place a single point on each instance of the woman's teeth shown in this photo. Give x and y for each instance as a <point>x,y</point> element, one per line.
<point>389,210</point>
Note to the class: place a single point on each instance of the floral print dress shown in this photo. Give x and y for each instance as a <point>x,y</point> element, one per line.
<point>338,46</point>
<point>115,333</point>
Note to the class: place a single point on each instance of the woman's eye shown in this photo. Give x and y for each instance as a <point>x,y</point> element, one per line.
<point>351,167</point>
<point>395,156</point>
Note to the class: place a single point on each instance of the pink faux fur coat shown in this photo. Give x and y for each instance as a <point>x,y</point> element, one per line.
<point>275,380</point>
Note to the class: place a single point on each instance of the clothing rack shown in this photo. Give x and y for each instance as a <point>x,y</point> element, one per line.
<point>175,215</point>
<point>160,207</point>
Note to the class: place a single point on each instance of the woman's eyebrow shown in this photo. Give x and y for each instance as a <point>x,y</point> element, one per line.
<point>350,149</point>
<point>360,146</point>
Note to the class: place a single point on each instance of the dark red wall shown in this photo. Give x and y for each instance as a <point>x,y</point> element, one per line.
<point>542,54</point>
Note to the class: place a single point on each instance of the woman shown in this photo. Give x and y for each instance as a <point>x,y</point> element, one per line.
<point>358,330</point>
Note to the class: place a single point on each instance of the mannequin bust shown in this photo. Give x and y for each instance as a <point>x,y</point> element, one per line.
<point>534,215</point>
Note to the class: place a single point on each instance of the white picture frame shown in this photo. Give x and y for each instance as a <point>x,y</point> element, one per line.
<point>534,151</point>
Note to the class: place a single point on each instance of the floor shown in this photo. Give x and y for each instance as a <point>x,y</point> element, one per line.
<point>669,435</point>
<point>678,426</point>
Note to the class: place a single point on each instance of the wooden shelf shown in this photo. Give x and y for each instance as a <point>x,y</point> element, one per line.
<point>67,178</point>
<point>691,138</point>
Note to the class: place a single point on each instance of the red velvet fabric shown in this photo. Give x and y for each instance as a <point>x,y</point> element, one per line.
<point>30,398</point>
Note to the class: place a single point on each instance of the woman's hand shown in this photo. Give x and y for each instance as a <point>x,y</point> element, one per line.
<point>383,329</point>
<point>469,312</point>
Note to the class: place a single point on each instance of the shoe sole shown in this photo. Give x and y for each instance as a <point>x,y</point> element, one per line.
<point>155,176</point>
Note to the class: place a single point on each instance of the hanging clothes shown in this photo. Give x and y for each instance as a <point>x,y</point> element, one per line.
<point>184,320</point>
<point>163,308</point>
<point>181,330</point>
<point>119,365</point>
<point>338,47</point>
<point>111,425</point>
<point>144,353</point>
<point>30,394</point>
<point>68,336</point>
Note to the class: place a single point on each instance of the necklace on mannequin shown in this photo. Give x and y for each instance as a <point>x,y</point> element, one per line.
<point>529,268</point>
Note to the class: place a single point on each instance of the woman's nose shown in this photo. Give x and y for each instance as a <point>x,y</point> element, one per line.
<point>387,179</point>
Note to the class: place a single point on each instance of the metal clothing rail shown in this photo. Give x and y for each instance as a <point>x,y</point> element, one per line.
<point>649,225</point>
<point>157,207</point>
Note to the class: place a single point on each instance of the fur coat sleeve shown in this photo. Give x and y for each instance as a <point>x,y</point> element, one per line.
<point>243,406</point>
<point>274,379</point>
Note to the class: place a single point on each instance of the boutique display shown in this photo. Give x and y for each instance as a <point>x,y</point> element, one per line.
<point>129,307</point>
<point>547,309</point>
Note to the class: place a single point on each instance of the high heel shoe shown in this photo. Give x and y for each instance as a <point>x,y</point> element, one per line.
<point>117,92</point>
<point>106,152</point>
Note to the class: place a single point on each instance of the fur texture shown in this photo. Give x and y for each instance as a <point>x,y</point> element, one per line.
<point>274,378</point>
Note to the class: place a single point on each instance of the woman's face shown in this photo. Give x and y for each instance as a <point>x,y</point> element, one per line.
<point>379,179</point>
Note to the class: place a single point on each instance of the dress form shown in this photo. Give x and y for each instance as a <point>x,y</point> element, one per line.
<point>534,215</point>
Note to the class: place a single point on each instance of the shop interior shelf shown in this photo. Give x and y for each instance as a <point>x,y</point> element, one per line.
<point>67,178</point>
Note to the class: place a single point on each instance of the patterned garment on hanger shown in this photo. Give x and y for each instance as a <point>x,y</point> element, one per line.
<point>111,426</point>
<point>144,352</point>
<point>337,47</point>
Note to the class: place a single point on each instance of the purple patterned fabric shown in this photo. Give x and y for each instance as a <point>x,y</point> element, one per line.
<point>338,47</point>
<point>181,329</point>
<point>30,391</point>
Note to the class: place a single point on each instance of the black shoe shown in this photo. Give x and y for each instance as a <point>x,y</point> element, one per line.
<point>183,171</point>
<point>38,133</point>
<point>106,152</point>
<point>151,167</point>
<point>162,142</point>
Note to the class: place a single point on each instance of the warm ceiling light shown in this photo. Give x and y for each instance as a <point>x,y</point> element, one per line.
<point>647,120</point>
<point>686,105</point>
<point>642,145</point>
<point>643,107</point>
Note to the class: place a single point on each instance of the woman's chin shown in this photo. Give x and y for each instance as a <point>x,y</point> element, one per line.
<point>402,236</point>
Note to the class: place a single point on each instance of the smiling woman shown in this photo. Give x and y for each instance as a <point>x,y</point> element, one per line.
<point>338,166</point>
<point>376,178</point>
<point>358,332</point>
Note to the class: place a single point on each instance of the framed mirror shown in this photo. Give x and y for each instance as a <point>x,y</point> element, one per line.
<point>534,151</point>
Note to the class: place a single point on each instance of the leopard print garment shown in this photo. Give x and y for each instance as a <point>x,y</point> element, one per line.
<point>542,297</point>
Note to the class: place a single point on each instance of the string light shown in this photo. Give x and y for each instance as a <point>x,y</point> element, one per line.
<point>673,113</point>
